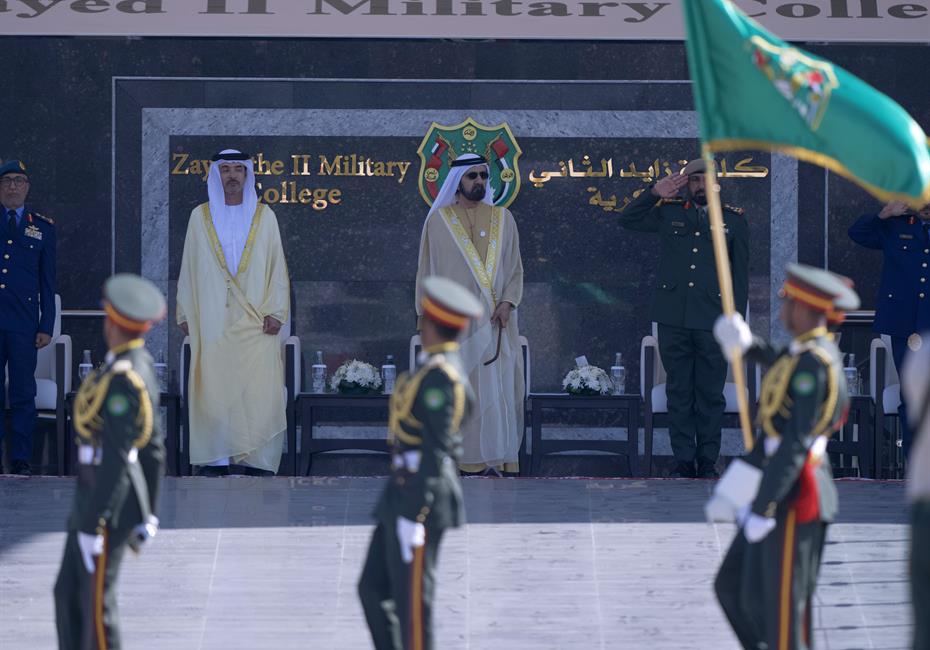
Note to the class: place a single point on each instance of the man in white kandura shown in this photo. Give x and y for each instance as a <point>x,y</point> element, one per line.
<point>233,297</point>
<point>469,240</point>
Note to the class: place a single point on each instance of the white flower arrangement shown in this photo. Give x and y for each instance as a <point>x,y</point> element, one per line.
<point>587,380</point>
<point>356,377</point>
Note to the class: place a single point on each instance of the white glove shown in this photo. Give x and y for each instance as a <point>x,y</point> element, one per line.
<point>719,509</point>
<point>757,528</point>
<point>143,532</point>
<point>732,332</point>
<point>410,535</point>
<point>91,546</point>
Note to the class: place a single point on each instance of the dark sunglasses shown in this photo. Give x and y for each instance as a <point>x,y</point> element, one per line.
<point>473,175</point>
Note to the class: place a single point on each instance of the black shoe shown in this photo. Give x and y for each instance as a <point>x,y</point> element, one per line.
<point>21,468</point>
<point>707,470</point>
<point>248,470</point>
<point>212,471</point>
<point>683,470</point>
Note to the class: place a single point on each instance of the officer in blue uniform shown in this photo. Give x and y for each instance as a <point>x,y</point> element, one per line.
<point>27,305</point>
<point>902,309</point>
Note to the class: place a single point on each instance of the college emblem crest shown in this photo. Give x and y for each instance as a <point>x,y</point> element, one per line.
<point>442,144</point>
<point>804,82</point>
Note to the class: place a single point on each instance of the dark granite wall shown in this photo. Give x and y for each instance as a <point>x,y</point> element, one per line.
<point>58,117</point>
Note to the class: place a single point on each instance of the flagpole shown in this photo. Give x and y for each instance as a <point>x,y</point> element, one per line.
<point>725,281</point>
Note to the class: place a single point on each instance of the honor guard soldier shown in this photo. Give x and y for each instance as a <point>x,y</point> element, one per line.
<point>915,381</point>
<point>27,306</point>
<point>685,304</point>
<point>423,496</point>
<point>782,493</point>
<point>121,459</point>
<point>902,307</point>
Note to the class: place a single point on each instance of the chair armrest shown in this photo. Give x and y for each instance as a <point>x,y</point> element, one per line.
<point>877,368</point>
<point>65,373</point>
<point>291,347</point>
<point>650,345</point>
<point>183,369</point>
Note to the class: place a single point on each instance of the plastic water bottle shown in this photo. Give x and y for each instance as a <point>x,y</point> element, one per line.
<point>852,376</point>
<point>389,374</point>
<point>618,375</point>
<point>161,374</point>
<point>86,366</point>
<point>318,376</point>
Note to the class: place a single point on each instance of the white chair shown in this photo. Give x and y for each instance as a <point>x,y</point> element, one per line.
<point>291,355</point>
<point>885,391</point>
<point>652,384</point>
<point>53,383</point>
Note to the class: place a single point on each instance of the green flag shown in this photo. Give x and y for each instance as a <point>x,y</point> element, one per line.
<point>755,91</point>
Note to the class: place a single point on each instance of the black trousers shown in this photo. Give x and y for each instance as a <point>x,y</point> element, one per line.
<point>765,589</point>
<point>920,573</point>
<point>398,597</point>
<point>86,612</point>
<point>697,373</point>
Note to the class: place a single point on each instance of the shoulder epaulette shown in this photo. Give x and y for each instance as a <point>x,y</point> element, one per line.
<point>675,200</point>
<point>733,208</point>
<point>439,362</point>
<point>43,218</point>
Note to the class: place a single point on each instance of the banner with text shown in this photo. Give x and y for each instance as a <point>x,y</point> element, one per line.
<point>815,20</point>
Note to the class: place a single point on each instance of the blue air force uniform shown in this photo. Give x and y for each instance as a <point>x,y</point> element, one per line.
<point>902,308</point>
<point>27,306</point>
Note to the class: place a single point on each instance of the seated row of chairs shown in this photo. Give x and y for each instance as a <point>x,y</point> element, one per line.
<point>54,382</point>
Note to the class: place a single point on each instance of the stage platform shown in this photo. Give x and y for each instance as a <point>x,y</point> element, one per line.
<point>560,564</point>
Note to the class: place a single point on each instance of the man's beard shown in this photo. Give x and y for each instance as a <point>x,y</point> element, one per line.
<point>700,198</point>
<point>476,193</point>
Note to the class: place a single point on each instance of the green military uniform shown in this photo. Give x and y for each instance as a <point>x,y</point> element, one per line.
<point>685,304</point>
<point>423,496</point>
<point>425,413</point>
<point>121,458</point>
<point>765,586</point>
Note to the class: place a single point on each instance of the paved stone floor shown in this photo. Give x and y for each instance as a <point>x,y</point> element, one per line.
<point>559,564</point>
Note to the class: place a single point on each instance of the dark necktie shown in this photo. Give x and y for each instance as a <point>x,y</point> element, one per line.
<point>11,224</point>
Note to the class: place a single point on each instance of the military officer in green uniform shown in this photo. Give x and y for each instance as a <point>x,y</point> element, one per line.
<point>121,458</point>
<point>423,496</point>
<point>782,493</point>
<point>685,304</point>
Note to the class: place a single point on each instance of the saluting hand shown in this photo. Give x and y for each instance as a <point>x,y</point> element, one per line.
<point>893,209</point>
<point>669,186</point>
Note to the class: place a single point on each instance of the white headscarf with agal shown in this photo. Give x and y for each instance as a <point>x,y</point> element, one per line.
<point>450,185</point>
<point>232,222</point>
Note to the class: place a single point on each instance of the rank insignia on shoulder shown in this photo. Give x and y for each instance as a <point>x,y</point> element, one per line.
<point>733,209</point>
<point>44,218</point>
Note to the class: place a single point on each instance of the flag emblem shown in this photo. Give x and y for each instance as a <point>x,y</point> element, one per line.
<point>805,83</point>
<point>443,144</point>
